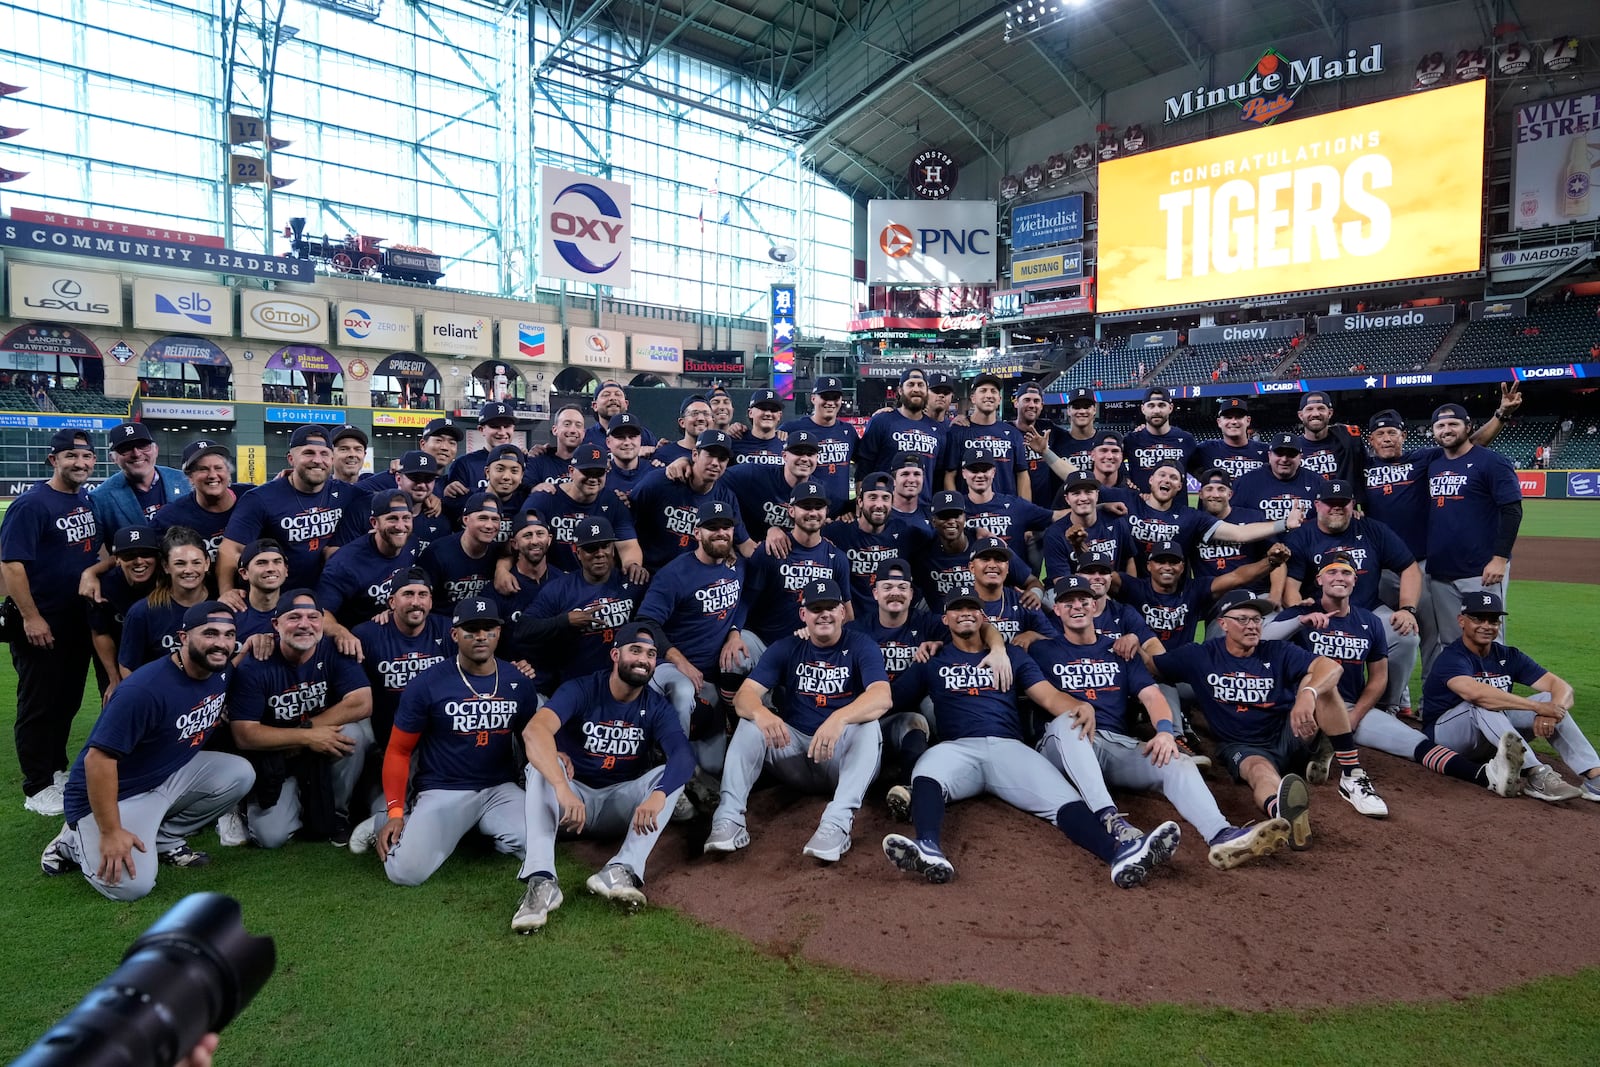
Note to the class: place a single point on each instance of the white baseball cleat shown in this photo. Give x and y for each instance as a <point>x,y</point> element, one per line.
<point>616,881</point>
<point>48,802</point>
<point>364,836</point>
<point>1505,770</point>
<point>1237,845</point>
<point>231,832</point>
<point>541,897</point>
<point>1357,788</point>
<point>726,836</point>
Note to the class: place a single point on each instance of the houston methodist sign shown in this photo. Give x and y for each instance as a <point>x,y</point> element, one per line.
<point>1378,193</point>
<point>931,242</point>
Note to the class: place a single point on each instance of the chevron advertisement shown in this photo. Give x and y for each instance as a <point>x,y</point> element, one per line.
<point>1377,193</point>
<point>537,341</point>
<point>182,307</point>
<point>931,242</point>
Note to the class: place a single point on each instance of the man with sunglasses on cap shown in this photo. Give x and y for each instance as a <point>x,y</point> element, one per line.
<point>1282,488</point>
<point>440,439</point>
<point>905,429</point>
<point>1468,703</point>
<point>145,780</point>
<point>415,476</point>
<point>808,712</point>
<point>140,488</point>
<point>451,764</point>
<point>497,423</point>
<point>300,511</point>
<point>463,566</point>
<point>1236,452</point>
<point>761,443</point>
<point>1157,441</point>
<point>836,441</point>
<point>568,630</point>
<point>664,510</point>
<point>354,585</point>
<point>301,716</point>
<point>48,538</point>
<point>583,496</point>
<point>589,774</point>
<point>213,495</point>
<point>984,432</point>
<point>1333,626</point>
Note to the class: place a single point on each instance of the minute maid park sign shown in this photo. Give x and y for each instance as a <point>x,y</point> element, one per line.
<point>1273,83</point>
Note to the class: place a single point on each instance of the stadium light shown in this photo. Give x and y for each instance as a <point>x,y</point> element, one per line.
<point>1032,16</point>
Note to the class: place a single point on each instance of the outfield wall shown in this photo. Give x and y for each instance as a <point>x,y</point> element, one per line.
<point>1560,485</point>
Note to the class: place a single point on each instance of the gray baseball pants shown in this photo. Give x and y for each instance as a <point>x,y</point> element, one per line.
<point>1441,606</point>
<point>1466,727</point>
<point>1000,766</point>
<point>846,774</point>
<point>609,810</point>
<point>440,818</point>
<point>1120,763</point>
<point>271,827</point>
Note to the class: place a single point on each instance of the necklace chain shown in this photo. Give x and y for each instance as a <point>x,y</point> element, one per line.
<point>476,695</point>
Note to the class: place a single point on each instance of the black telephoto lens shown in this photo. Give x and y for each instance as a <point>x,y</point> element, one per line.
<point>190,974</point>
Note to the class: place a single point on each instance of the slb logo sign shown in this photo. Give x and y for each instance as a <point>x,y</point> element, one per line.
<point>942,242</point>
<point>585,228</point>
<point>181,307</point>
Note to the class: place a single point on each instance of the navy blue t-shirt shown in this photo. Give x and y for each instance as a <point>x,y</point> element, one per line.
<point>612,603</point>
<point>1144,452</point>
<point>355,583</point>
<point>669,452</point>
<point>1397,496</point>
<point>1245,698</point>
<point>817,681</point>
<point>1275,498</point>
<point>1172,616</point>
<point>149,631</point>
<point>546,469</point>
<point>865,551</point>
<point>753,451</point>
<point>250,622</point>
<point>1095,675</point>
<point>1109,535</point>
<point>1002,441</point>
<point>836,450</point>
<point>1044,488</point>
<point>518,604</point>
<point>1355,640</point>
<point>392,660</point>
<point>1503,666</point>
<point>53,534</point>
<point>665,515</point>
<point>936,572</point>
<point>1007,517</point>
<point>563,514</point>
<point>469,469</point>
<point>274,692</point>
<point>1467,494</point>
<point>1117,619</point>
<point>455,574</point>
<point>1011,618</point>
<point>1215,558</point>
<point>889,434</point>
<point>697,604</point>
<point>900,643</point>
<point>1371,546</point>
<point>210,525</point>
<point>468,726</point>
<point>156,721</point>
<point>775,585</point>
<point>621,482</point>
<point>303,523</point>
<point>610,741</point>
<point>966,700</point>
<point>1149,526</point>
<point>357,522</point>
<point>108,615</point>
<point>1237,460</point>
<point>763,495</point>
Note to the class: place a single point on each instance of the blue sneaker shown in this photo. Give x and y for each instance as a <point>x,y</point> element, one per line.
<point>1235,845</point>
<point>1136,859</point>
<point>918,857</point>
<point>1591,789</point>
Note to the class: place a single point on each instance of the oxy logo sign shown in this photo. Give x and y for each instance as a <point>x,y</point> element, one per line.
<point>586,227</point>
<point>362,325</point>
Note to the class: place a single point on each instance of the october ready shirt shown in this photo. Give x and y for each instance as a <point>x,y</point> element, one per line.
<point>817,681</point>
<point>303,523</point>
<point>467,724</point>
<point>966,700</point>
<point>1245,698</point>
<point>609,740</point>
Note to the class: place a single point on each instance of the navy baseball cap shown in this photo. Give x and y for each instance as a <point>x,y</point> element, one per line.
<point>1286,442</point>
<point>1316,396</point>
<point>690,400</point>
<point>964,593</point>
<point>910,373</point>
<point>129,434</point>
<point>940,382</point>
<point>945,502</point>
<point>1451,411</point>
<point>590,457</point>
<point>1165,550</point>
<point>1387,419</point>
<point>507,451</point>
<point>418,464</point>
<point>801,441</point>
<point>638,632</point>
<point>135,540</point>
<point>195,451</point>
<point>822,591</point>
<point>717,390</point>
<point>991,546</point>
<point>1080,479</point>
<point>623,424</point>
<point>261,546</point>
<point>1073,585</point>
<point>610,383</point>
<point>806,492</point>
<point>68,439</point>
<point>309,435</point>
<point>1337,559</point>
<point>1027,388</point>
<point>987,379</point>
<point>877,482</point>
<point>495,412</point>
<point>1157,393</point>
<point>1107,437</point>
<point>480,502</point>
<point>204,612</point>
<point>1081,398</point>
<point>594,530</point>
<point>1482,602</point>
<point>977,456</point>
<point>714,512</point>
<point>902,460</point>
<point>1217,474</point>
<point>894,569</point>
<point>766,398</point>
<point>350,430</point>
<point>530,517</point>
<point>475,609</point>
<point>287,602</point>
<point>409,575</point>
<point>1336,489</point>
<point>1096,561</point>
<point>827,384</point>
<point>1232,406</point>
<point>444,427</point>
<point>391,501</point>
<point>714,439</point>
<point>1244,598</point>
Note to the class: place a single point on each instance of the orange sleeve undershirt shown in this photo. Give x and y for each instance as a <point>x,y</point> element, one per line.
<point>397,768</point>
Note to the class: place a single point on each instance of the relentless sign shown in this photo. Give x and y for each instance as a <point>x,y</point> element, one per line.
<point>942,242</point>
<point>358,324</point>
<point>63,295</point>
<point>585,226</point>
<point>281,317</point>
<point>1048,223</point>
<point>658,355</point>
<point>536,341</point>
<point>457,335</point>
<point>1273,83</point>
<point>182,307</point>
<point>1378,193</point>
<point>933,174</point>
<point>1557,153</point>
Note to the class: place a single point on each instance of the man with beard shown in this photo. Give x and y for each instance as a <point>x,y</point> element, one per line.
<point>1157,441</point>
<point>140,488</point>
<point>836,441</point>
<point>398,649</point>
<point>300,511</point>
<point>761,442</point>
<point>1372,548</point>
<point>549,466</point>
<point>1237,452</point>
<point>1016,615</point>
<point>776,585</point>
<point>416,474</point>
<point>1329,449</point>
<point>1472,527</point>
<point>582,496</point>
<point>1334,627</point>
<point>809,712</point>
<point>869,538</point>
<point>1086,666</point>
<point>943,563</point>
<point>1281,488</point>
<point>1162,514</point>
<point>981,751</point>
<point>47,539</point>
<point>570,627</point>
<point>698,602</point>
<point>664,510</point>
<point>1101,533</point>
<point>463,566</point>
<point>529,566</point>
<point>694,419</point>
<point>985,433</point>
<point>457,721</point>
<point>440,439</point>
<point>906,429</point>
<point>145,775</point>
<point>301,715</point>
<point>624,441</point>
<point>498,425</point>
<point>213,495</point>
<point>354,585</point>
<point>132,576</point>
<point>610,400</point>
<point>1040,437</point>
<point>603,727</point>
<point>1266,702</point>
<point>995,513</point>
<point>763,491</point>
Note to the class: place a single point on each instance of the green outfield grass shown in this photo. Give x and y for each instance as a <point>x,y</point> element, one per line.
<point>1560,518</point>
<point>372,974</point>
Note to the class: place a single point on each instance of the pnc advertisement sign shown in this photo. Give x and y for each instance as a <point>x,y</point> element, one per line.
<point>931,242</point>
<point>1377,193</point>
<point>585,226</point>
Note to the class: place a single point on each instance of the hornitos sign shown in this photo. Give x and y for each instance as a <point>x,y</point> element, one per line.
<point>1271,86</point>
<point>275,315</point>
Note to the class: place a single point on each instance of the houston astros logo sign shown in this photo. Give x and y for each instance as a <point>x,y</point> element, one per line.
<point>896,241</point>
